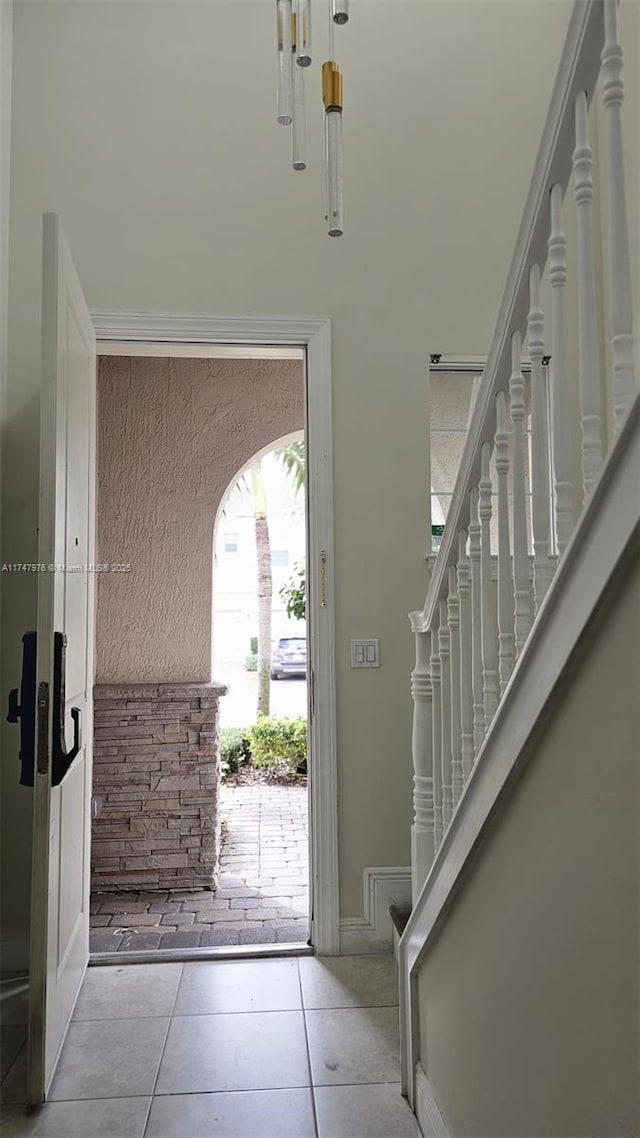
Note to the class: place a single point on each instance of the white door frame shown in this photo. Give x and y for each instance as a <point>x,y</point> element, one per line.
<point>313,334</point>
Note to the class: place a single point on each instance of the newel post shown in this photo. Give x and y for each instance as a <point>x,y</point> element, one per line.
<point>422,830</point>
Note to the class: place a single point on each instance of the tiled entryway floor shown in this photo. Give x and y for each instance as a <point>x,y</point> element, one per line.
<point>291,1048</point>
<point>263,887</point>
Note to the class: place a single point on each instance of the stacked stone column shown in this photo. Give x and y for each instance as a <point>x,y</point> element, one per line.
<point>156,784</point>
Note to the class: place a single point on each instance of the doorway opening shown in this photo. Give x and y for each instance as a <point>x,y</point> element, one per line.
<point>260,649</point>
<point>170,427</point>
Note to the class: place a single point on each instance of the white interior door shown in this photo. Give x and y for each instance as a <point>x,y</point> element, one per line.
<point>64,723</point>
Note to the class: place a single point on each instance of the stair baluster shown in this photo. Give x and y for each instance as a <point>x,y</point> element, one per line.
<point>466,656</point>
<point>562,413</point>
<point>477,681</point>
<point>436,739</point>
<point>540,445</point>
<point>588,338</point>
<point>489,629</point>
<point>521,586</point>
<point>453,616</point>
<point>506,657</point>
<point>422,831</point>
<point>445,723</point>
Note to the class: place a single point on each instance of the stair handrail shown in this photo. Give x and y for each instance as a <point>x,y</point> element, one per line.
<point>578,71</point>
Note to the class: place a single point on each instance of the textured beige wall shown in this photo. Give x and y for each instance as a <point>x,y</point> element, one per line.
<point>172,435</point>
<point>529,997</point>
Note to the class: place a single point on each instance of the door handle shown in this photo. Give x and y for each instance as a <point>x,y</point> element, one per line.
<point>61,758</point>
<point>22,708</point>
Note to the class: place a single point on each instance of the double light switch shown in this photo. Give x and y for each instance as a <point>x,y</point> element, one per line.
<point>365,653</point>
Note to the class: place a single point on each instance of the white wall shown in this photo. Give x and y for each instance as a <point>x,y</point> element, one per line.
<point>6,52</point>
<point>6,46</point>
<point>150,128</point>
<point>15,957</point>
<point>529,996</point>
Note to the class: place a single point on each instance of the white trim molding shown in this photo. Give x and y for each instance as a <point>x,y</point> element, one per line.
<point>314,335</point>
<point>606,535</point>
<point>373,932</point>
<point>430,1120</point>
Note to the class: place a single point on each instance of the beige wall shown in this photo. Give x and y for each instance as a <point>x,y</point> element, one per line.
<point>529,996</point>
<point>172,436</point>
<point>150,128</point>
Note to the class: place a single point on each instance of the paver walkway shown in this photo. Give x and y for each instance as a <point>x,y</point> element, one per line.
<point>263,890</point>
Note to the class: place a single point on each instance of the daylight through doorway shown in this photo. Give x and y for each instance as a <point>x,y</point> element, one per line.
<point>260,649</point>
<point>200,817</point>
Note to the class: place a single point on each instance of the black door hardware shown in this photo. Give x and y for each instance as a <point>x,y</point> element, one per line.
<point>61,758</point>
<point>22,707</point>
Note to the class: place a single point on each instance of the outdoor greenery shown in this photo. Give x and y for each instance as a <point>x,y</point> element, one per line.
<point>279,741</point>
<point>235,749</point>
<point>269,743</point>
<point>294,592</point>
<point>294,460</point>
<point>264,585</point>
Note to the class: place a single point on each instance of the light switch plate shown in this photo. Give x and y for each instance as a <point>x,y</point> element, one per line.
<point>365,653</point>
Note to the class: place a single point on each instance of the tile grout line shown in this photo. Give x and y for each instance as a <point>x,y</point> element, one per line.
<point>188,1094</point>
<point>306,1037</point>
<point>5,1078</point>
<point>162,1053</point>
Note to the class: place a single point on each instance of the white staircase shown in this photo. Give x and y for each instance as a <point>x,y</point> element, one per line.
<point>507,603</point>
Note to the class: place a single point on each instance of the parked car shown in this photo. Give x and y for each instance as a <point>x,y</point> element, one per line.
<point>289,657</point>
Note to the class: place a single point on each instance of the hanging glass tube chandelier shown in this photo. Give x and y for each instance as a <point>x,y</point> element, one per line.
<point>285,93</point>
<point>332,99</point>
<point>294,57</point>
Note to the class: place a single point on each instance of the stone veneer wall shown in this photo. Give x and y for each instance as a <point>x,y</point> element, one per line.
<point>156,780</point>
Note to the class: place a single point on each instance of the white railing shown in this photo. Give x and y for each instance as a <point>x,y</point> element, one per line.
<point>482,601</point>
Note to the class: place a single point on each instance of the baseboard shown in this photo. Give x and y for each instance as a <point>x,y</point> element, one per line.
<point>430,1120</point>
<point>359,938</point>
<point>14,953</point>
<point>373,932</point>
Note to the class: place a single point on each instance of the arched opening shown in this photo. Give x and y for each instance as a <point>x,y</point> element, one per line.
<point>259,650</point>
<point>234,616</point>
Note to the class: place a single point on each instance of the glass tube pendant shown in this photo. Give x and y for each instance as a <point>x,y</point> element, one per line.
<point>285,56</point>
<point>299,124</point>
<point>332,98</point>
<point>302,11</point>
<point>340,11</point>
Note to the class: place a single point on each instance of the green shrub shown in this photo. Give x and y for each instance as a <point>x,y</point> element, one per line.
<point>254,645</point>
<point>251,663</point>
<point>279,741</point>
<point>235,749</point>
<point>294,592</point>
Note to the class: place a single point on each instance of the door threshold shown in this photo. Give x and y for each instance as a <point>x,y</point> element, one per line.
<point>185,955</point>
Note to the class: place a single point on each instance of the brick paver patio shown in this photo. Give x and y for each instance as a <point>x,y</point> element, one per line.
<point>263,890</point>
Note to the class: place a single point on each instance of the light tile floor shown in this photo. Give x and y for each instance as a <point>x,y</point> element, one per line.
<point>301,1047</point>
<point>263,887</point>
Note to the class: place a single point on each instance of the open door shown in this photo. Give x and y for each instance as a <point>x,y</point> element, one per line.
<point>65,635</point>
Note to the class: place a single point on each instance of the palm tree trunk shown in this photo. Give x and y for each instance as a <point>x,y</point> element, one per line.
<point>265,589</point>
